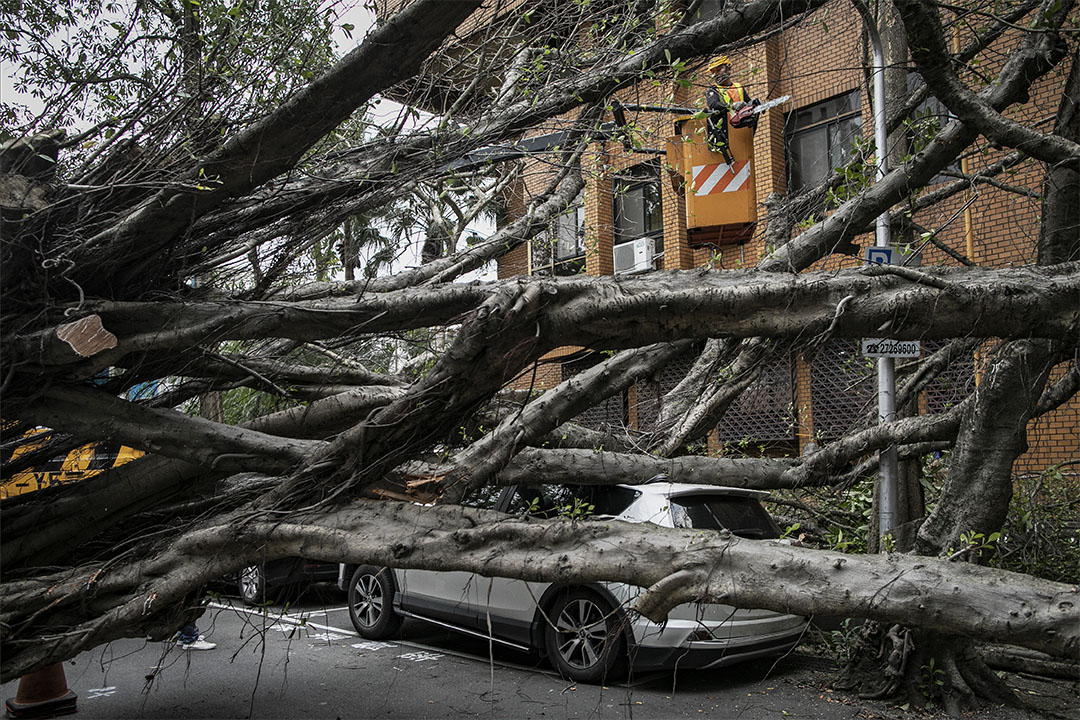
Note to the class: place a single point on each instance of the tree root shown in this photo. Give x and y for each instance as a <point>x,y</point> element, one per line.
<point>1029,662</point>
<point>922,668</point>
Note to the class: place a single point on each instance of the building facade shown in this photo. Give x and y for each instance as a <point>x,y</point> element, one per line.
<point>633,206</point>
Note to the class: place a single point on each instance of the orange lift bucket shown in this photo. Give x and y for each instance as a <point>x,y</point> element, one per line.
<point>721,202</point>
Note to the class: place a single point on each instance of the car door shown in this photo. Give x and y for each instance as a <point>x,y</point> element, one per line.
<point>448,596</point>
<point>509,606</point>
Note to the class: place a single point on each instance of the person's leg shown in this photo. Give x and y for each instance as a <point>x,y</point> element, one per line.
<point>188,634</point>
<point>189,639</point>
<point>717,123</point>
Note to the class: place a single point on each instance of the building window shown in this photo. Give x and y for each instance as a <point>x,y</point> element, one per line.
<point>709,9</point>
<point>820,138</point>
<point>560,250</point>
<point>638,212</point>
<point>926,122</point>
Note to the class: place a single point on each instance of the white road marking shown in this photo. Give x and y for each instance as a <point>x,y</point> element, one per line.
<point>289,619</point>
<point>101,692</point>
<point>420,656</point>
<point>372,645</point>
<point>403,643</point>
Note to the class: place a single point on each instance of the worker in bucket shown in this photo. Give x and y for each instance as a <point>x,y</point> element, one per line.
<point>728,101</point>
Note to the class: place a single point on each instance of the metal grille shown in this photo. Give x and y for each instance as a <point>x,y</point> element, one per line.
<point>649,393</point>
<point>765,410</point>
<point>843,387</point>
<point>954,384</point>
<point>607,416</point>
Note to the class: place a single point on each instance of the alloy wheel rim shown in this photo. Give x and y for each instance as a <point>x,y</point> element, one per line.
<point>581,634</point>
<point>369,600</point>
<point>249,581</point>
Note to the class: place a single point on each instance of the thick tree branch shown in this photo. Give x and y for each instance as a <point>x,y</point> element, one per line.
<point>97,415</point>
<point>1038,53</point>
<point>97,604</point>
<point>663,307</point>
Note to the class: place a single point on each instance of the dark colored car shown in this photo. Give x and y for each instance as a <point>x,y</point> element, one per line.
<point>259,584</point>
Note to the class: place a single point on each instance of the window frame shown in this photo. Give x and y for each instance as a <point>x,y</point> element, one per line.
<point>544,249</point>
<point>794,131</point>
<point>929,108</point>
<point>633,179</point>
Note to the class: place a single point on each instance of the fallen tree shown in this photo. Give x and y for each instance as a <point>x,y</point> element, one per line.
<point>99,602</point>
<point>167,242</point>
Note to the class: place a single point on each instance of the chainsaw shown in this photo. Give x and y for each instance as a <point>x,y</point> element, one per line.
<point>743,112</point>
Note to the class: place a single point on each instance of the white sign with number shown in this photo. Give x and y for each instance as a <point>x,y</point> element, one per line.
<point>887,347</point>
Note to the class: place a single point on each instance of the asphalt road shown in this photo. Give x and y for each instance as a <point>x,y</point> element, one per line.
<point>307,662</point>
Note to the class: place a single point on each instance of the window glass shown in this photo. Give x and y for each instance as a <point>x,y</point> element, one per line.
<point>560,250</point>
<point>709,9</point>
<point>926,121</point>
<point>570,234</point>
<point>549,501</point>
<point>613,500</point>
<point>743,516</point>
<point>638,211</point>
<point>820,138</point>
<point>485,497</point>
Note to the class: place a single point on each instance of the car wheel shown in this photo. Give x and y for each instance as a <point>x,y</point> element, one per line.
<point>371,603</point>
<point>251,582</point>
<point>583,637</point>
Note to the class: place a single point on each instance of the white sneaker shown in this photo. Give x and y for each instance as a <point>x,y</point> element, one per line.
<point>198,644</point>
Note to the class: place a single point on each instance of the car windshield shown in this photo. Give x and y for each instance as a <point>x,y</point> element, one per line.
<point>743,516</point>
<point>577,501</point>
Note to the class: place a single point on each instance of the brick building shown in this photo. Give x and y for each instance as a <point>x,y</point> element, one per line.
<point>801,397</point>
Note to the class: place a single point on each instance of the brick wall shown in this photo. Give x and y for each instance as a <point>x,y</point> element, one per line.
<point>817,60</point>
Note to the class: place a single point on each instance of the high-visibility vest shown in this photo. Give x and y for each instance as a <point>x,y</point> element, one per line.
<point>731,94</point>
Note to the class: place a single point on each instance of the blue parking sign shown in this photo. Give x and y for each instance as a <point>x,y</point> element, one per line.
<point>879,255</point>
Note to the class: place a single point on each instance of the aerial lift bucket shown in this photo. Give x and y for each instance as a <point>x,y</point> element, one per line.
<point>721,202</point>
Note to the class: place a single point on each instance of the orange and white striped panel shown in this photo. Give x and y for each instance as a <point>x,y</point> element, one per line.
<point>720,177</point>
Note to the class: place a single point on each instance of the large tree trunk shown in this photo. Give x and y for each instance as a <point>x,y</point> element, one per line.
<point>147,595</point>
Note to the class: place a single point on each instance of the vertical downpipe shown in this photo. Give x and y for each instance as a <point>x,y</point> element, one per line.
<point>888,474</point>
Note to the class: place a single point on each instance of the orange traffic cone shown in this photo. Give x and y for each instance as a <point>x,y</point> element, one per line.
<point>42,694</point>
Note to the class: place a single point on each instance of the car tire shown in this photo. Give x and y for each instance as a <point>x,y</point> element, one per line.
<point>371,603</point>
<point>251,583</point>
<point>583,637</point>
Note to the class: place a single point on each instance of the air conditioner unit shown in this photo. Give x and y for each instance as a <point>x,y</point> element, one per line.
<point>634,257</point>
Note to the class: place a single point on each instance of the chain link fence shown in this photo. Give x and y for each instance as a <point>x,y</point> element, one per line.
<point>953,384</point>
<point>843,389</point>
<point>764,412</point>
<point>650,393</point>
<point>607,416</point>
<point>843,395</point>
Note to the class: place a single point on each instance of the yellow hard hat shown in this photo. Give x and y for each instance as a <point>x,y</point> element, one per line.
<point>718,61</point>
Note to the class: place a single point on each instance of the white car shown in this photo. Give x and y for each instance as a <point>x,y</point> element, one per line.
<point>585,630</point>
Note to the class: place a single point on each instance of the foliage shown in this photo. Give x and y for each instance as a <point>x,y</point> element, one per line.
<point>932,682</point>
<point>1041,535</point>
<point>243,404</point>
<point>104,59</point>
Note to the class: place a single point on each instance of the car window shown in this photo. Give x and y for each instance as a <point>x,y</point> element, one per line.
<point>485,497</point>
<point>548,501</point>
<point>743,516</point>
<point>613,500</point>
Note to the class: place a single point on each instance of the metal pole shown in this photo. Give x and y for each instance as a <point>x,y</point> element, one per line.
<point>888,474</point>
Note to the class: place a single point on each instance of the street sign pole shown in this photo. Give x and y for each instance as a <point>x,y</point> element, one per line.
<point>888,472</point>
